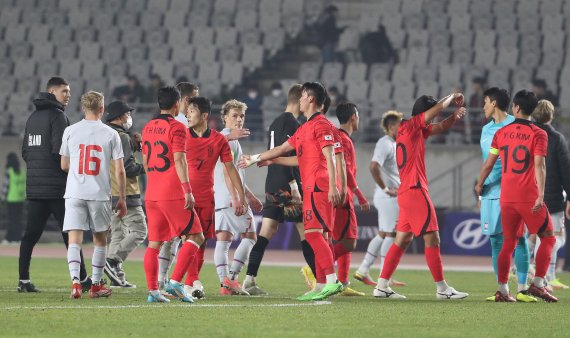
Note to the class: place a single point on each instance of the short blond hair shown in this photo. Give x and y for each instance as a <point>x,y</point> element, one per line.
<point>544,112</point>
<point>390,117</point>
<point>92,101</point>
<point>232,104</point>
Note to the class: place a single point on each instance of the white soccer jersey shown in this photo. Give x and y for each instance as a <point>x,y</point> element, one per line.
<point>385,155</point>
<point>221,193</point>
<point>90,146</point>
<point>182,118</point>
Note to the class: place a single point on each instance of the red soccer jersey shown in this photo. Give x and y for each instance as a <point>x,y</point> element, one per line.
<point>162,137</point>
<point>517,144</point>
<point>308,141</point>
<point>410,152</point>
<point>202,153</point>
<point>349,158</point>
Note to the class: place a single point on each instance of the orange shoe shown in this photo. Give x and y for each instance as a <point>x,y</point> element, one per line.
<point>99,290</point>
<point>366,279</point>
<point>394,282</point>
<point>76,290</point>
<point>541,293</point>
<point>234,286</point>
<point>225,291</point>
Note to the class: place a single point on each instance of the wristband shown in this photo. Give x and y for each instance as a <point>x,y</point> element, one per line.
<point>293,185</point>
<point>253,159</point>
<point>186,187</point>
<point>386,189</point>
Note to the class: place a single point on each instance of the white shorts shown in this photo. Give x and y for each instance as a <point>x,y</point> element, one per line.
<point>226,220</point>
<point>388,211</point>
<point>87,215</point>
<point>557,221</point>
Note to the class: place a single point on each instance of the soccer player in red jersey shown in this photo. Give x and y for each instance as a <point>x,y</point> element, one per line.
<point>522,147</point>
<point>314,143</point>
<point>417,213</point>
<point>345,230</point>
<point>169,200</point>
<point>203,148</point>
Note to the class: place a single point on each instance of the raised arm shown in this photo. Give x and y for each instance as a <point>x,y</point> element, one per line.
<point>431,113</point>
<point>248,160</point>
<point>441,127</point>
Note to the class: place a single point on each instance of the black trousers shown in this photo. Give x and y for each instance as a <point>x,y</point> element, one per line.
<point>15,214</point>
<point>39,211</point>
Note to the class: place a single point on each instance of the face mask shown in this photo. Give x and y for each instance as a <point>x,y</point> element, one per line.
<point>252,95</point>
<point>127,125</point>
<point>276,92</point>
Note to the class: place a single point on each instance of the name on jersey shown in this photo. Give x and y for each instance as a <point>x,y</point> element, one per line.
<point>34,140</point>
<point>516,136</point>
<point>328,137</point>
<point>156,130</point>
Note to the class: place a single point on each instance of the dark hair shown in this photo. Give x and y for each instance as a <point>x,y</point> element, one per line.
<point>326,105</point>
<point>316,90</point>
<point>204,105</point>
<point>56,82</point>
<point>295,93</point>
<point>526,100</point>
<point>479,80</point>
<point>499,95</point>
<point>423,103</point>
<point>540,83</point>
<point>344,111</point>
<point>167,97</point>
<point>132,78</point>
<point>13,162</point>
<point>186,88</point>
<point>276,85</point>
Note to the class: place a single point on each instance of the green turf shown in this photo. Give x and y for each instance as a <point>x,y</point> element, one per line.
<point>419,316</point>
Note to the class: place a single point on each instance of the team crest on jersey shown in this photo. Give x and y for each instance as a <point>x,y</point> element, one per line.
<point>328,137</point>
<point>210,151</point>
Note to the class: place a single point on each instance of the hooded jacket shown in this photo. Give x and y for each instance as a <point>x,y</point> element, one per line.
<point>40,149</point>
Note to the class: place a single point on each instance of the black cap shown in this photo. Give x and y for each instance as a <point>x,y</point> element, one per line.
<point>117,109</point>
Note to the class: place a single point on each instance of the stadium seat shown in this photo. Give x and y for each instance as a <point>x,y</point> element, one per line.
<point>61,35</point>
<point>274,41</point>
<point>178,6</point>
<point>438,26</point>
<point>71,68</point>
<point>85,34</point>
<point>411,6</point>
<point>424,74</point>
<point>224,6</point>
<point>499,76</point>
<point>402,73</point>
<point>151,19</point>
<point>379,72</point>
<point>269,21</point>
<point>505,24</point>
<point>269,6</point>
<point>357,91</point>
<point>439,55</point>
<point>78,17</point>
<point>205,54</point>
<point>460,22</point>
<point>229,54</point>
<point>223,20</point>
<point>415,21</point>
<point>418,38</point>
<point>28,85</point>
<point>10,16</point>
<point>38,33</point>
<point>159,53</point>
<point>20,50</point>
<point>390,7</point>
<point>232,73</point>
<point>141,69</point>
<point>128,19</point>
<point>380,93</point>
<point>508,39</point>
<point>203,36</point>
<point>24,68</point>
<point>427,88</point>
<point>293,25</point>
<point>15,33</point>
<point>90,51</point>
<point>449,75</point>
<point>114,54</point>
<point>198,20</point>
<point>208,71</point>
<point>484,38</point>
<point>178,36</point>
<point>136,53</point>
<point>552,7</point>
<point>226,37</point>
<point>404,95</point>
<point>397,37</point>
<point>131,37</point>
<point>108,37</point>
<point>332,72</point>
<point>6,67</point>
<point>418,55</point>
<point>43,51</point>
<point>392,21</point>
<point>294,7</point>
<point>485,56</point>
<point>527,7</point>
<point>356,72</point>
<point>156,37</point>
<point>175,19</point>
<point>211,88</point>
<point>66,52</point>
<point>246,19</point>
<point>500,8</point>
<point>188,69</point>
<point>507,56</point>
<point>164,69</point>
<point>485,22</point>
<point>252,57</point>
<point>182,52</point>
<point>93,69</point>
<point>309,71</point>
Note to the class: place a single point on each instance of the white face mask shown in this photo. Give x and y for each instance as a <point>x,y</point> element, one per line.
<point>276,92</point>
<point>127,125</point>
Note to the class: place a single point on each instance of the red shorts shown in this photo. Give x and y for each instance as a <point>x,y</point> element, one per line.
<point>515,214</point>
<point>206,216</point>
<point>417,213</point>
<point>345,225</point>
<point>318,212</point>
<point>169,219</point>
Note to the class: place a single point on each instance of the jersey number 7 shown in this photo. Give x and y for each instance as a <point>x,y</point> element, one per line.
<point>86,159</point>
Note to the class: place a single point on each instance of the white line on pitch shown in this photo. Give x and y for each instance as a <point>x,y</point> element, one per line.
<point>161,306</point>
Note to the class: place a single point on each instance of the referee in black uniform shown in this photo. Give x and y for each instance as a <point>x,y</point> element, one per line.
<point>45,182</point>
<point>282,192</point>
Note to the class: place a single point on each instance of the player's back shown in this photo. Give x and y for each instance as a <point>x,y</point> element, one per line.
<point>410,152</point>
<point>90,146</point>
<point>385,156</point>
<point>279,176</point>
<point>162,137</point>
<point>517,144</point>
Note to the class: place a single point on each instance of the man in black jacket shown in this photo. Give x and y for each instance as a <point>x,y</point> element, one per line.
<point>557,181</point>
<point>45,181</point>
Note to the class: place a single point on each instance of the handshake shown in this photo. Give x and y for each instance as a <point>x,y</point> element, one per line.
<point>248,160</point>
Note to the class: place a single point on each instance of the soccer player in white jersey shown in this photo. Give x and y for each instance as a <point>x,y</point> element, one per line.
<point>87,149</point>
<point>384,171</point>
<point>228,225</point>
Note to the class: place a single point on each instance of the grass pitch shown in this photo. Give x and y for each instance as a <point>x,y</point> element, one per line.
<point>52,314</point>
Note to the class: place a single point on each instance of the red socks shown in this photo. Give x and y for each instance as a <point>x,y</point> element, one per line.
<point>505,258</point>
<point>544,255</point>
<point>391,261</point>
<point>339,250</point>
<point>323,255</point>
<point>343,263</point>
<point>195,267</point>
<point>186,256</point>
<point>433,259</point>
<point>151,268</point>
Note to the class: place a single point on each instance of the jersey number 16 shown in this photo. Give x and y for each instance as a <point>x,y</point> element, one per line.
<point>86,159</point>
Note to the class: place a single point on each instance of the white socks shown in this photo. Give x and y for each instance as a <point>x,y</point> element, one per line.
<point>98,263</point>
<point>332,278</point>
<point>504,288</point>
<point>167,257</point>
<point>240,256</point>
<point>74,260</point>
<point>221,258</point>
<point>386,244</point>
<point>372,252</point>
<point>382,283</point>
<point>441,286</point>
<point>538,282</point>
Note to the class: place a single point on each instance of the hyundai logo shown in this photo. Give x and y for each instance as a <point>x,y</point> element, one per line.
<point>468,235</point>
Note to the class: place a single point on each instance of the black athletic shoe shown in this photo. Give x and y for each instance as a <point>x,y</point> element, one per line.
<point>27,287</point>
<point>111,271</point>
<point>86,284</point>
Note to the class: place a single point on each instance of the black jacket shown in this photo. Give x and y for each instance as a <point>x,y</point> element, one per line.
<point>40,149</point>
<point>557,169</point>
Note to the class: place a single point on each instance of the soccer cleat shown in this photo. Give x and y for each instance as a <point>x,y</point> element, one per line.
<point>253,289</point>
<point>110,270</point>
<point>541,293</point>
<point>364,278</point>
<point>348,292</point>
<point>98,290</point>
<point>86,284</point>
<point>310,279</point>
<point>523,296</point>
<point>157,297</point>
<point>225,291</point>
<point>177,290</point>
<point>500,298</point>
<point>451,293</point>
<point>75,290</point>
<point>329,290</point>
<point>387,293</point>
<point>234,287</point>
<point>307,296</point>
<point>556,284</point>
<point>490,299</point>
<point>27,287</point>
<point>394,282</point>
<point>198,290</point>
